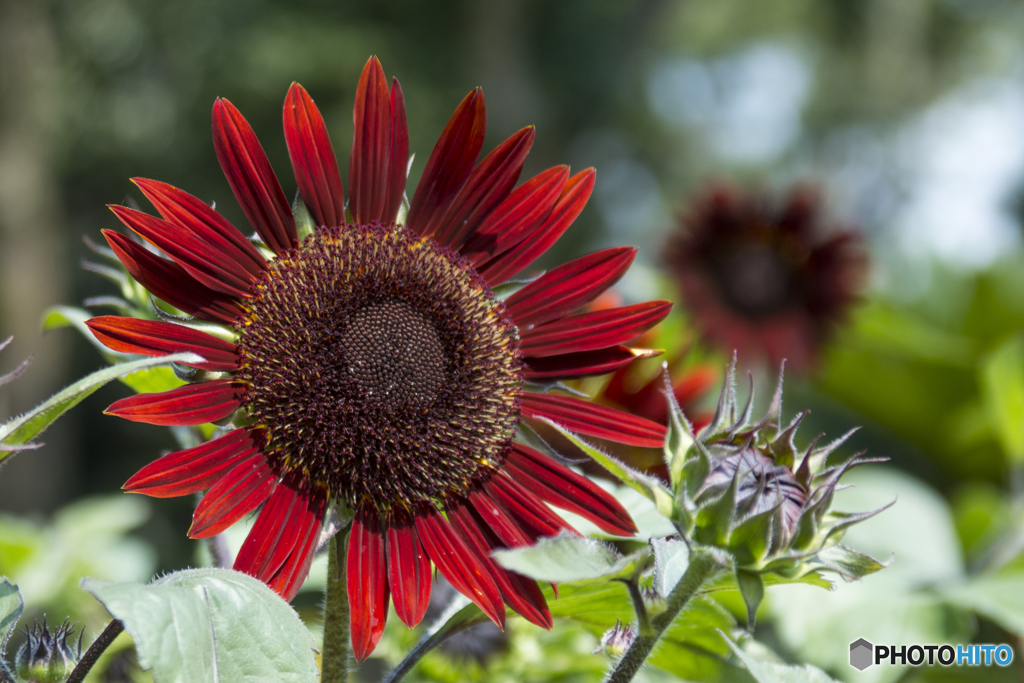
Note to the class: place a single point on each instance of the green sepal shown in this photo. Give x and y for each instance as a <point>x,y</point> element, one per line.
<point>304,223</point>
<point>752,589</point>
<point>695,470</point>
<point>679,438</point>
<point>751,539</point>
<point>849,563</point>
<point>718,515</point>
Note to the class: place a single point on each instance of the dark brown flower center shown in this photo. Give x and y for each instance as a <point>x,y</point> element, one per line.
<point>380,365</point>
<point>755,279</point>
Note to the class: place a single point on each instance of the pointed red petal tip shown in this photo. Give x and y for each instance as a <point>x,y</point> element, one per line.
<point>194,469</point>
<point>399,153</point>
<point>192,404</point>
<point>408,571</point>
<point>251,177</point>
<point>488,185</point>
<point>449,165</point>
<point>569,205</point>
<point>592,419</point>
<point>518,216</point>
<point>367,582</point>
<point>158,338</point>
<point>207,264</point>
<point>370,161</point>
<point>569,287</point>
<point>585,364</point>
<point>198,218</point>
<point>459,564</point>
<point>280,546</point>
<point>556,484</point>
<point>166,280</point>
<point>313,160</point>
<point>594,330</point>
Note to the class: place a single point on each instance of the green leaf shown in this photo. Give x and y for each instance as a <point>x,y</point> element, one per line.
<point>752,588</point>
<point>460,615</point>
<point>57,317</point>
<point>770,672</point>
<point>1002,383</point>
<point>671,558</point>
<point>849,563</point>
<point>566,558</point>
<point>24,428</point>
<point>153,380</point>
<point>11,607</point>
<point>202,625</point>
<point>1000,598</point>
<point>638,481</point>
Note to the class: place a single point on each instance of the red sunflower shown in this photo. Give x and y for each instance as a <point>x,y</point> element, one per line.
<point>767,278</point>
<point>379,362</point>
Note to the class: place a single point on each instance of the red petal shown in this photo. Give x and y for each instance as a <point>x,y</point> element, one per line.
<point>520,593</point>
<point>281,532</point>
<point>556,484</point>
<point>158,338</point>
<point>492,515</point>
<point>594,420</point>
<point>569,287</point>
<point>371,145</point>
<point>593,330</point>
<point>206,264</point>
<point>313,159</point>
<point>289,578</point>
<point>253,181</point>
<point>460,565</point>
<point>184,210</point>
<point>573,365</point>
<point>408,571</point>
<point>518,216</point>
<point>569,205</point>
<point>529,512</point>
<point>193,469</point>
<point>168,281</point>
<point>449,165</point>
<point>367,576</point>
<point>399,153</point>
<point>192,404</point>
<point>237,494</point>
<point>489,184</point>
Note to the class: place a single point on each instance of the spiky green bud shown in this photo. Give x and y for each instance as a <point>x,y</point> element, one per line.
<point>744,486</point>
<point>46,657</point>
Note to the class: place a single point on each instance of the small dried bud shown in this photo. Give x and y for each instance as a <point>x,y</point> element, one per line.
<point>617,639</point>
<point>46,657</point>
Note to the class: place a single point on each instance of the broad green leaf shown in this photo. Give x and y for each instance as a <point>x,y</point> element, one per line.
<point>153,380</point>
<point>770,672</point>
<point>646,485</point>
<point>566,558</point>
<point>11,607</point>
<point>203,625</point>
<point>24,428</point>
<point>671,558</point>
<point>1002,382</point>
<point>1000,598</point>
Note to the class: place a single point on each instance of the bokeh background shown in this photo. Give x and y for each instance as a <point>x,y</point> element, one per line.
<point>908,113</point>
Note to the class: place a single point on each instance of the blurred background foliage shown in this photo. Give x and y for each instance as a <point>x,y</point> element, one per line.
<point>908,113</point>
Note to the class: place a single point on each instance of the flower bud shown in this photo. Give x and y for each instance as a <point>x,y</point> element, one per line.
<point>46,657</point>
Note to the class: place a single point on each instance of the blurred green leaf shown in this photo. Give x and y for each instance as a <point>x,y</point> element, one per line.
<point>999,597</point>
<point>202,625</point>
<point>770,672</point>
<point>11,607</point>
<point>671,558</point>
<point>22,429</point>
<point>57,317</point>
<point>1002,381</point>
<point>567,558</point>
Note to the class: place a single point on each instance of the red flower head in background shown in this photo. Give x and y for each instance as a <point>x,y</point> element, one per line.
<point>376,363</point>
<point>764,278</point>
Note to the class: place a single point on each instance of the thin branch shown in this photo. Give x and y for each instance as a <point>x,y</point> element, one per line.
<point>98,647</point>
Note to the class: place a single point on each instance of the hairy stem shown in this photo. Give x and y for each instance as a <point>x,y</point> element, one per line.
<point>337,644</point>
<point>102,642</point>
<point>704,565</point>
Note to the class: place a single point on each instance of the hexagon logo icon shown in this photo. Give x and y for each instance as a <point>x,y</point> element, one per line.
<point>861,654</point>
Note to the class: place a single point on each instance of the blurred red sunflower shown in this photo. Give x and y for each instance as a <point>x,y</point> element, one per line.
<point>372,362</point>
<point>765,278</point>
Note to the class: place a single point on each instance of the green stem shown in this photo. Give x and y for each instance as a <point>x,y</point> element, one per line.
<point>337,643</point>
<point>102,642</point>
<point>704,565</point>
